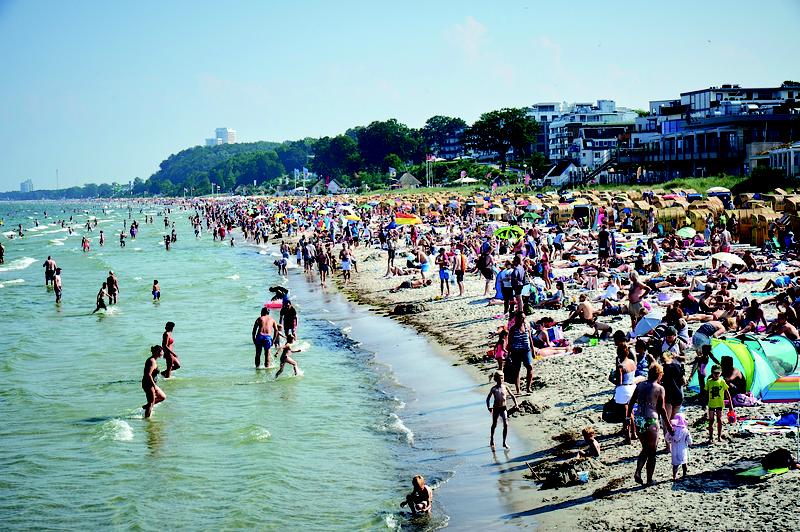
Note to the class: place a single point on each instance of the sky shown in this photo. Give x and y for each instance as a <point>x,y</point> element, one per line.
<point>104,91</point>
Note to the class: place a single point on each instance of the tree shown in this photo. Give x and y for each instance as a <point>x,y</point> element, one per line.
<point>336,157</point>
<point>393,161</point>
<point>379,139</point>
<point>293,154</point>
<point>438,128</point>
<point>499,131</point>
<point>139,186</point>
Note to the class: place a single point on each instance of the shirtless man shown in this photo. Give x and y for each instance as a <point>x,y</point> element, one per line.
<point>583,314</point>
<point>500,392</point>
<point>49,271</point>
<point>265,332</point>
<point>414,283</point>
<point>649,395</point>
<point>323,263</point>
<point>101,295</point>
<point>636,293</point>
<point>113,288</point>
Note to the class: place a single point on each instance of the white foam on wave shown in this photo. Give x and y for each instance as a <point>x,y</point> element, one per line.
<point>234,277</point>
<point>346,330</point>
<point>395,425</point>
<point>116,430</point>
<point>3,284</point>
<point>391,522</point>
<point>262,252</point>
<point>17,264</point>
<point>257,434</point>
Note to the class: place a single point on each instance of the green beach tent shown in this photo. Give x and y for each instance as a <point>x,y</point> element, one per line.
<point>753,364</point>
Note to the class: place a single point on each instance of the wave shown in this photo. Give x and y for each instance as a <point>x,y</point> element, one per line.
<point>254,434</point>
<point>116,430</point>
<point>11,281</point>
<point>234,277</point>
<point>396,426</point>
<point>18,264</point>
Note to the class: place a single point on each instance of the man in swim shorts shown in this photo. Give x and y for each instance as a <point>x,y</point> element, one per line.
<point>113,288</point>
<point>265,332</point>
<point>49,270</point>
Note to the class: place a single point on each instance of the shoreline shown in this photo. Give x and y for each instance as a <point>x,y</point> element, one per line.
<point>567,396</point>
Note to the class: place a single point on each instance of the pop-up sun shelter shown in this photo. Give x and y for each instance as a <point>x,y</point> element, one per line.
<point>761,361</point>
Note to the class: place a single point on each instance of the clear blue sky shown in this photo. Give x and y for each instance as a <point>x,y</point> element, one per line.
<point>105,90</point>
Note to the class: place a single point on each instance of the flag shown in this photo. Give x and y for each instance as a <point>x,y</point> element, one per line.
<point>305,172</point>
<point>527,179</point>
<point>489,175</point>
<point>463,174</point>
<point>392,172</point>
<point>430,157</point>
<point>327,179</point>
<point>296,173</point>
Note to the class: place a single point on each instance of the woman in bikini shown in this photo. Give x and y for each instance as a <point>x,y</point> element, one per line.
<point>649,398</point>
<point>152,392</point>
<point>173,363</point>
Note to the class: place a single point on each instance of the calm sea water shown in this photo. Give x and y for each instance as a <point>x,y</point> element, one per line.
<point>231,447</point>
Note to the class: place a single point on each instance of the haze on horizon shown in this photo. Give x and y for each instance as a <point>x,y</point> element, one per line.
<point>105,91</point>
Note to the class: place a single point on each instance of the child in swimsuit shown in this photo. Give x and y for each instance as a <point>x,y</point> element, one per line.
<point>285,358</point>
<point>500,392</point>
<point>156,290</point>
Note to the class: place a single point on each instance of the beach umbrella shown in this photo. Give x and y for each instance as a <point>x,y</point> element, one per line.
<point>512,232</point>
<point>786,390</point>
<point>523,203</point>
<point>496,210</point>
<point>531,216</point>
<point>480,211</point>
<point>686,232</point>
<point>730,258</point>
<point>413,220</point>
<point>718,190</point>
<point>352,218</point>
<point>279,215</point>
<point>365,207</point>
<point>647,324</point>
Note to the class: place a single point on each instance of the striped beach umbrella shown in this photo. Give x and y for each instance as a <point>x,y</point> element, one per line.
<point>786,390</point>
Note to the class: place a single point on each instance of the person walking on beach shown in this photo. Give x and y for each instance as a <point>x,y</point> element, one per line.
<point>101,301</point>
<point>49,270</point>
<point>173,362</point>
<point>153,394</point>
<point>500,392</point>
<point>113,288</point>
<point>323,263</point>
<point>57,284</point>
<point>265,332</point>
<point>649,398</point>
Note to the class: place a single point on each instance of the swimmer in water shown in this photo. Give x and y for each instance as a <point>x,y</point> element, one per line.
<point>156,291</point>
<point>420,499</point>
<point>265,331</point>
<point>113,288</point>
<point>285,358</point>
<point>173,363</point>
<point>500,392</point>
<point>101,301</point>
<point>152,392</point>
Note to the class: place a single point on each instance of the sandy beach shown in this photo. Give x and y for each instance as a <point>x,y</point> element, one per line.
<point>568,395</point>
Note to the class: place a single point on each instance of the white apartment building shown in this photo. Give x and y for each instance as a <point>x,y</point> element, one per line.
<point>565,131</point>
<point>225,135</point>
<point>26,186</point>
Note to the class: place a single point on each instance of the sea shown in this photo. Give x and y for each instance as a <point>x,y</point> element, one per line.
<point>334,448</point>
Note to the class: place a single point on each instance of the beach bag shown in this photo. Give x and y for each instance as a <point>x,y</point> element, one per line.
<point>745,399</point>
<point>613,412</point>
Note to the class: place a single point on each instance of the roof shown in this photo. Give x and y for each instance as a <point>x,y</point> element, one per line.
<point>408,180</point>
<point>559,168</point>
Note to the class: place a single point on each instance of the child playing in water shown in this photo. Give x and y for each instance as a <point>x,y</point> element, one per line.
<point>285,358</point>
<point>680,440</point>
<point>716,390</point>
<point>421,497</point>
<point>156,291</point>
<point>500,392</point>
